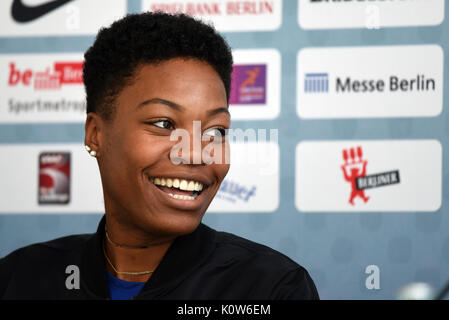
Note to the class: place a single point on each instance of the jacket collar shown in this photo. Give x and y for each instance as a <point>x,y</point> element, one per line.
<point>185,254</point>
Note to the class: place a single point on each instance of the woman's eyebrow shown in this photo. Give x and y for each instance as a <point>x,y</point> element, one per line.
<point>178,107</point>
<point>161,101</point>
<point>217,111</point>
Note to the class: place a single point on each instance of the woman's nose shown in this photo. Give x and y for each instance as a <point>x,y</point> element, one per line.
<point>189,146</point>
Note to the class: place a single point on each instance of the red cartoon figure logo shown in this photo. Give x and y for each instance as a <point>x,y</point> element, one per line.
<point>352,170</point>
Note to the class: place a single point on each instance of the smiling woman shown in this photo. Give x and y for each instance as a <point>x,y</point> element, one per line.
<point>147,77</point>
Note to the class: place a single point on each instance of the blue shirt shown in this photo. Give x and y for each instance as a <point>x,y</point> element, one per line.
<point>123,290</point>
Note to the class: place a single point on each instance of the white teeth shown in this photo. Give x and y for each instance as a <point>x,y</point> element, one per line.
<point>182,197</point>
<point>187,185</point>
<point>191,186</point>
<point>199,186</point>
<point>169,183</point>
<point>183,185</point>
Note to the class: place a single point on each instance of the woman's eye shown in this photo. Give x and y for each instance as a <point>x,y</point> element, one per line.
<point>164,124</point>
<point>216,132</point>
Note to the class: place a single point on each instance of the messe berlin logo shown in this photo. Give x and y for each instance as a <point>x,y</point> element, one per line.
<point>319,83</point>
<point>316,82</point>
<point>354,172</point>
<point>249,84</point>
<point>369,82</point>
<point>62,73</point>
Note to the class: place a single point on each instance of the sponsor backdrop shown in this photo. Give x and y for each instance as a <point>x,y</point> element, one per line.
<point>353,186</point>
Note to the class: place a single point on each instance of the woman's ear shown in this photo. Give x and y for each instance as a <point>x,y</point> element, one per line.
<point>93,130</point>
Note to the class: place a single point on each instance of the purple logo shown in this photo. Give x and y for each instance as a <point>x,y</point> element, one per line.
<point>249,84</point>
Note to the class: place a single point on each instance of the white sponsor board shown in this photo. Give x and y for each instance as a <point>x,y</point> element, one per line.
<point>41,88</point>
<point>270,109</point>
<point>372,14</point>
<point>399,175</point>
<point>225,15</point>
<point>370,82</point>
<point>49,87</point>
<point>19,169</point>
<point>57,18</point>
<point>251,185</point>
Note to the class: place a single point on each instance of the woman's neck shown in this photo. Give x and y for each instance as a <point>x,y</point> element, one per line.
<point>137,254</point>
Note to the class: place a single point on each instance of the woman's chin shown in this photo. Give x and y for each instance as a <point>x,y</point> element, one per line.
<point>173,225</point>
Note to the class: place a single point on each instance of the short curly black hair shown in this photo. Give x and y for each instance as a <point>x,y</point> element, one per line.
<point>151,37</point>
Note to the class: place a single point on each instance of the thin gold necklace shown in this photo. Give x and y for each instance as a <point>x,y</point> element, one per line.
<point>123,272</point>
<point>121,245</point>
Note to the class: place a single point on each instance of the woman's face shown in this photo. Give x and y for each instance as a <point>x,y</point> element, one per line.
<point>134,147</point>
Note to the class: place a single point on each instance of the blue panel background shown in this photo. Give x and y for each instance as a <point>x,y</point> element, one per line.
<point>334,247</point>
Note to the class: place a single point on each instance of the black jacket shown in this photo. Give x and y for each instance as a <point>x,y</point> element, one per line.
<point>205,264</point>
